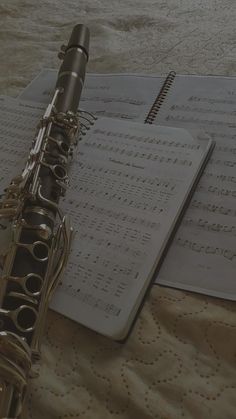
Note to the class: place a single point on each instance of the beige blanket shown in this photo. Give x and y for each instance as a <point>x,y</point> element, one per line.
<point>179,361</point>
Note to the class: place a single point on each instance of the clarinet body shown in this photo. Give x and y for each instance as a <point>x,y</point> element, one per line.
<point>39,234</point>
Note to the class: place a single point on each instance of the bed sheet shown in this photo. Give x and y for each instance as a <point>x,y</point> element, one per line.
<point>179,361</point>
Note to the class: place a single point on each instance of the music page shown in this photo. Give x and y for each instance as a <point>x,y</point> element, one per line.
<point>128,186</point>
<point>18,123</point>
<point>127,189</point>
<point>202,257</point>
<point>123,96</point>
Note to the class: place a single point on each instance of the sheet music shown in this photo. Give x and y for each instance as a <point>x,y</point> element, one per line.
<point>17,129</point>
<point>203,255</point>
<point>128,185</point>
<point>123,96</point>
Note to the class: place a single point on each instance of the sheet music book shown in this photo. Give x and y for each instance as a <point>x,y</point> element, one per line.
<point>203,251</point>
<point>129,185</point>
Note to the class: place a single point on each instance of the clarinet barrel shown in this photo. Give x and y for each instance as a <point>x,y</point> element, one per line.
<point>40,235</point>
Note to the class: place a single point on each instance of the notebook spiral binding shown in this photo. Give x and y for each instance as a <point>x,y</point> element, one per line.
<point>86,120</point>
<point>160,98</point>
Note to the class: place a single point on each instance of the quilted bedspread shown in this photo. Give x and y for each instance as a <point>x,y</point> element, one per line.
<point>179,361</point>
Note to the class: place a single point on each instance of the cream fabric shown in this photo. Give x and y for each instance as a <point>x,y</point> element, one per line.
<point>179,361</point>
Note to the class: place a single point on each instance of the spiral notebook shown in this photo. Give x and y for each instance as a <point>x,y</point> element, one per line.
<point>203,251</point>
<point>130,183</point>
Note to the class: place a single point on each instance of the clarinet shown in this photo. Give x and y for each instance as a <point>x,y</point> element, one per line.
<point>39,234</point>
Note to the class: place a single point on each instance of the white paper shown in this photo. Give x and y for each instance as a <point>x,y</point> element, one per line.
<point>203,255</point>
<point>123,96</point>
<point>128,186</point>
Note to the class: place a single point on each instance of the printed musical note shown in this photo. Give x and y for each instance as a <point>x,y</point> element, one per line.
<point>207,234</point>
<point>127,185</point>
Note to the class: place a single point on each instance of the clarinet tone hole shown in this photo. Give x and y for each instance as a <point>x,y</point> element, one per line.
<point>33,284</point>
<point>26,318</point>
<point>40,251</point>
<point>60,172</point>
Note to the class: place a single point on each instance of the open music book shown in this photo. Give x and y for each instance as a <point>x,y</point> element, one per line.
<point>203,251</point>
<point>130,183</point>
